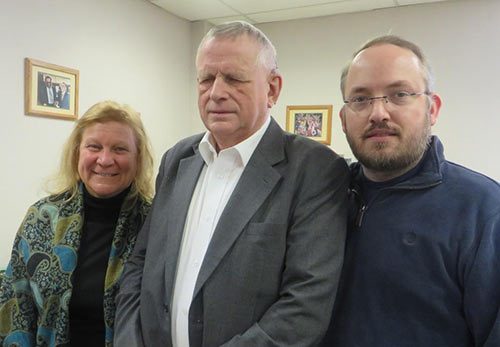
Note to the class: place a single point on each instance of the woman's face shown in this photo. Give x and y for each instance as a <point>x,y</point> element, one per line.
<point>107,164</point>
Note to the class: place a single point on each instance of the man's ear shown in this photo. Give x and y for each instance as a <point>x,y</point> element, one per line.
<point>275,83</point>
<point>342,117</point>
<point>434,108</point>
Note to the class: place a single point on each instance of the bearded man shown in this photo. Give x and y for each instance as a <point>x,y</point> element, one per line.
<point>422,258</point>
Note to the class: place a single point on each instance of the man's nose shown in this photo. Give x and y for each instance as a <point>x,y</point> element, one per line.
<point>378,109</point>
<point>219,89</point>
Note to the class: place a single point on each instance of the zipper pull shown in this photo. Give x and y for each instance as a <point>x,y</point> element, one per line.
<point>360,215</point>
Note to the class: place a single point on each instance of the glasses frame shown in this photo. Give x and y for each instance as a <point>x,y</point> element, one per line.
<point>371,100</point>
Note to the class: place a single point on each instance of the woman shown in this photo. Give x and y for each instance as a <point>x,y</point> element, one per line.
<point>63,96</point>
<point>69,252</point>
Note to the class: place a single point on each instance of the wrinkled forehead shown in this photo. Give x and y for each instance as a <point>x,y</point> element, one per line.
<point>239,49</point>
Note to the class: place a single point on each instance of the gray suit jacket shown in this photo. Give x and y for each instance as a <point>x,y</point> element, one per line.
<point>270,274</point>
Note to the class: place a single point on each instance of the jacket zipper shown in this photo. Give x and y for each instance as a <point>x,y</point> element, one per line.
<point>363,207</point>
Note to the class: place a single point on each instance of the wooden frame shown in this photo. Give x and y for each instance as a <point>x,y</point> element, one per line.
<point>314,122</point>
<point>44,85</point>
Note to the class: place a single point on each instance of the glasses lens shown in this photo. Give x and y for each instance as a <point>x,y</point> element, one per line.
<point>359,106</point>
<point>400,99</point>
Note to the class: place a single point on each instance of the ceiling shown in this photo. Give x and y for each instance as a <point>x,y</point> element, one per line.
<point>263,11</point>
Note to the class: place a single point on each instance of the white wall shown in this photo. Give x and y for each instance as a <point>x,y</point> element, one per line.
<point>461,39</point>
<point>127,50</point>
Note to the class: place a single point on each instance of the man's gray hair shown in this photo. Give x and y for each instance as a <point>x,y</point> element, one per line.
<point>232,30</point>
<point>396,41</point>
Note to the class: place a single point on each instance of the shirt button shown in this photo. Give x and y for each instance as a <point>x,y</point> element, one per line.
<point>410,238</point>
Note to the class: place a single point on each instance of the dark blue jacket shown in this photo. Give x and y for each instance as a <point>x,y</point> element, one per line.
<point>422,265</point>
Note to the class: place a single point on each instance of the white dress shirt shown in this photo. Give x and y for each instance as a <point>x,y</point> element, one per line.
<point>50,95</point>
<point>216,183</point>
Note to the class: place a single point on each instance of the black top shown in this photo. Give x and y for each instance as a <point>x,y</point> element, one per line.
<point>86,313</point>
<point>370,188</point>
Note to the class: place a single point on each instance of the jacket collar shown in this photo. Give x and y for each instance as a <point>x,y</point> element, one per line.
<point>272,141</point>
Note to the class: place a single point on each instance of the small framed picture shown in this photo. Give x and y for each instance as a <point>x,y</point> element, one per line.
<point>50,90</point>
<point>313,122</point>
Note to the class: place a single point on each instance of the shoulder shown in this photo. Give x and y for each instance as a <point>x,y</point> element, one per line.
<point>470,180</point>
<point>293,145</point>
<point>52,203</point>
<point>181,149</point>
<point>459,178</point>
<point>46,212</point>
<point>294,155</point>
<point>310,152</point>
<point>300,143</point>
<point>471,187</point>
<point>186,144</point>
<point>305,162</point>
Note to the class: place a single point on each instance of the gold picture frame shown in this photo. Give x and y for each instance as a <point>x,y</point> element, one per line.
<point>311,121</point>
<point>50,90</point>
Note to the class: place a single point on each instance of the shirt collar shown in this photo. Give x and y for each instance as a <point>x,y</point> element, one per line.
<point>244,149</point>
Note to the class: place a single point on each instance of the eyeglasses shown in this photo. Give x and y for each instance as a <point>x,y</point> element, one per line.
<point>362,104</point>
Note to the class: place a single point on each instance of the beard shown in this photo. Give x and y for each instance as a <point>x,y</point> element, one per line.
<point>380,158</point>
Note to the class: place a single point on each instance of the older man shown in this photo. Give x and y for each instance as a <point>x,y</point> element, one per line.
<point>422,265</point>
<point>245,240</point>
<point>47,94</point>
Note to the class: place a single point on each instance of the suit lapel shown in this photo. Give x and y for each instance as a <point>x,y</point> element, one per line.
<point>185,184</point>
<point>256,183</point>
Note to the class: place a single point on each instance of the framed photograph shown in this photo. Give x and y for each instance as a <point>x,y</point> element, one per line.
<point>50,90</point>
<point>313,122</point>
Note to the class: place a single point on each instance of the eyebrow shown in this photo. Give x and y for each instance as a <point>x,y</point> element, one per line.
<point>358,90</point>
<point>396,84</point>
<point>233,73</point>
<point>88,140</point>
<point>400,83</point>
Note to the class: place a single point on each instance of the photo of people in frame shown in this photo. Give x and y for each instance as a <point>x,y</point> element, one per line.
<point>308,124</point>
<point>311,121</point>
<point>50,90</point>
<point>53,91</point>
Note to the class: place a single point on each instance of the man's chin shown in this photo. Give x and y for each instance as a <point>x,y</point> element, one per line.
<point>376,152</point>
<point>222,127</point>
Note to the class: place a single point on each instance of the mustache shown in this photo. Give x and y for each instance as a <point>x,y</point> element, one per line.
<point>380,128</point>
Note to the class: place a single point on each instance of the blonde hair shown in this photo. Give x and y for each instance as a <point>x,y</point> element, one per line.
<point>67,178</point>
